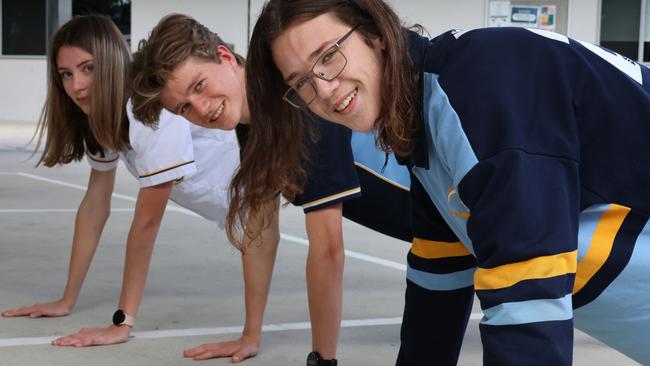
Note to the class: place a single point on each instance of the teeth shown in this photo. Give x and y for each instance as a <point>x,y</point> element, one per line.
<point>218,112</point>
<point>344,104</point>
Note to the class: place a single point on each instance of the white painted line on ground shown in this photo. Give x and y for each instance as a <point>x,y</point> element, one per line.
<point>116,195</point>
<point>53,181</point>
<point>291,238</point>
<point>192,332</point>
<point>31,341</point>
<point>55,210</point>
<point>351,253</point>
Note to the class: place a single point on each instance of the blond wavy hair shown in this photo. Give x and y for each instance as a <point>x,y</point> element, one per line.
<point>172,41</point>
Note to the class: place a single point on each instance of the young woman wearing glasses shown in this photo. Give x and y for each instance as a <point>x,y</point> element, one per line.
<point>532,146</point>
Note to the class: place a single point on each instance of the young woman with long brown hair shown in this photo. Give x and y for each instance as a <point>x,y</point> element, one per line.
<point>531,146</point>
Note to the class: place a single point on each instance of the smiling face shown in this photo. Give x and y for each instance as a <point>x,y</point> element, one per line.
<point>353,98</point>
<point>75,68</point>
<point>208,93</point>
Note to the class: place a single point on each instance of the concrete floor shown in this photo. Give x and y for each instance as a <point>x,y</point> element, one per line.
<point>195,283</point>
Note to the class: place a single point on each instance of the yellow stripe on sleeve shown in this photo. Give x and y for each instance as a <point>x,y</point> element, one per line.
<point>333,197</point>
<point>601,245</point>
<point>165,169</point>
<point>430,249</point>
<point>536,268</point>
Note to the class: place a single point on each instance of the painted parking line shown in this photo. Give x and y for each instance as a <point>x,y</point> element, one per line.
<point>115,195</point>
<point>350,253</point>
<point>55,210</point>
<point>235,330</point>
<point>286,237</point>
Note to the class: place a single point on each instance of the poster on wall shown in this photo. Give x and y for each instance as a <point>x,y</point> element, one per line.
<point>499,14</point>
<point>525,16</point>
<point>547,17</point>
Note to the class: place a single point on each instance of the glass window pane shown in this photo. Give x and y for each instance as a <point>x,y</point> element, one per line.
<point>646,40</point>
<point>23,27</point>
<point>619,26</point>
<point>118,10</point>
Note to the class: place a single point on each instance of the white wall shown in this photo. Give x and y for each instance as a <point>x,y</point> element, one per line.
<point>256,8</point>
<point>584,20</point>
<point>439,16</point>
<point>23,86</point>
<point>228,18</point>
<point>23,81</point>
<point>647,21</point>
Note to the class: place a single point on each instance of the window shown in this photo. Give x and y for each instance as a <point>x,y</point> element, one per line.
<point>625,28</point>
<point>27,24</point>
<point>118,10</point>
<point>23,27</point>
<point>646,39</point>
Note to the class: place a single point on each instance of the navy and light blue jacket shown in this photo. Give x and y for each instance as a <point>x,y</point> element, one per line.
<point>347,168</point>
<point>522,131</point>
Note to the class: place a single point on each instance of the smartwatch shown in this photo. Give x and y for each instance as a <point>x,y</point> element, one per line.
<point>314,359</point>
<point>121,318</point>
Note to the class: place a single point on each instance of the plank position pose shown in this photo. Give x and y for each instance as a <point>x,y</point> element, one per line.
<point>192,166</point>
<point>531,146</point>
<point>185,68</point>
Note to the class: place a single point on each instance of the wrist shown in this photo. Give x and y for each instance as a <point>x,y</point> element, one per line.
<point>254,335</point>
<point>67,303</point>
<point>121,329</point>
<point>122,319</point>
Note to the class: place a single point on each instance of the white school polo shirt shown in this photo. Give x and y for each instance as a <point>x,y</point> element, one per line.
<point>201,161</point>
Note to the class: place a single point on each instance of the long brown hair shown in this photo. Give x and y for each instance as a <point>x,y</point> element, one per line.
<point>272,160</point>
<point>68,131</point>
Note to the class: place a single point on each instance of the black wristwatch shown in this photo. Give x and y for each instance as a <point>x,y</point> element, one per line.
<point>313,359</point>
<point>121,318</point>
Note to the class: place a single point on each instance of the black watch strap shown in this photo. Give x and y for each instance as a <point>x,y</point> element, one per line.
<point>314,359</point>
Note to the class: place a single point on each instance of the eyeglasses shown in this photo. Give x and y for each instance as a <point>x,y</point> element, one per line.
<point>328,66</point>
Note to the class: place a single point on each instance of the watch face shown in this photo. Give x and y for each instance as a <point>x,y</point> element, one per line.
<point>312,359</point>
<point>118,317</point>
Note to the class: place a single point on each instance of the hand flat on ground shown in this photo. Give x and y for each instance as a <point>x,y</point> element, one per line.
<point>48,309</point>
<point>240,349</point>
<point>95,337</point>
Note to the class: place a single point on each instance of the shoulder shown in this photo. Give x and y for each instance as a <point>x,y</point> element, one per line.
<point>170,127</point>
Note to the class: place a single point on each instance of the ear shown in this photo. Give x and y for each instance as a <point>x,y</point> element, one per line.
<point>375,43</point>
<point>379,43</point>
<point>226,55</point>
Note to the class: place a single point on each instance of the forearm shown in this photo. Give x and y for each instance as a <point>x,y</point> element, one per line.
<point>325,277</point>
<point>88,229</point>
<point>139,249</point>
<point>89,224</point>
<point>258,270</point>
<point>149,211</point>
<point>324,289</point>
<point>258,261</point>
